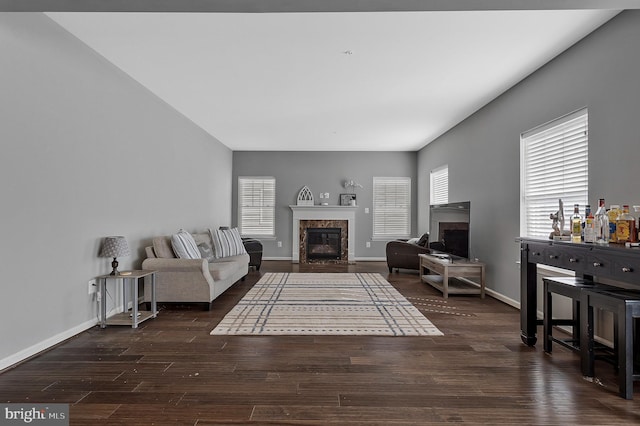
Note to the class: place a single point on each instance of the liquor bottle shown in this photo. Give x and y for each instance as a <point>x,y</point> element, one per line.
<point>633,227</point>
<point>589,225</point>
<point>602,223</point>
<point>626,226</point>
<point>576,225</point>
<point>613,213</point>
<point>636,209</point>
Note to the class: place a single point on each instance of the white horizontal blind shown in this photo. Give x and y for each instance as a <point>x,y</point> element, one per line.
<point>440,185</point>
<point>554,165</point>
<point>257,200</point>
<point>391,207</point>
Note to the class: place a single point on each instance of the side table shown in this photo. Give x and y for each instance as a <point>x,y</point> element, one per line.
<point>459,269</point>
<point>134,316</point>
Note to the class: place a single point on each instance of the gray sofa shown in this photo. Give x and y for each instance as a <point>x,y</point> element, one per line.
<point>191,280</point>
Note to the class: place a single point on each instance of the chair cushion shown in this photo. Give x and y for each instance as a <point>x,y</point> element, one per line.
<point>185,246</point>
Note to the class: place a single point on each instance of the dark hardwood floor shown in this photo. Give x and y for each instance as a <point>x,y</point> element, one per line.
<point>170,371</point>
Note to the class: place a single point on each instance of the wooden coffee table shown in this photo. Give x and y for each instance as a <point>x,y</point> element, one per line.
<point>451,275</point>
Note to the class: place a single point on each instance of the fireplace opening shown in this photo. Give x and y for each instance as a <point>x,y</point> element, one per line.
<point>323,243</point>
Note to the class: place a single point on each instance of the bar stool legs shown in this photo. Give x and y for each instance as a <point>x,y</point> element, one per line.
<point>625,305</point>
<point>570,287</point>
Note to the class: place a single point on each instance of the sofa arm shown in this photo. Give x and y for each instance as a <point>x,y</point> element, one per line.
<point>161,264</point>
<point>180,280</point>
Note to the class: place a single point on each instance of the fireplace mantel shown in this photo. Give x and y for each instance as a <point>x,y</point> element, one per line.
<point>347,213</point>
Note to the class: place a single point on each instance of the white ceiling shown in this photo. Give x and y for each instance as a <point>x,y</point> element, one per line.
<point>375,81</point>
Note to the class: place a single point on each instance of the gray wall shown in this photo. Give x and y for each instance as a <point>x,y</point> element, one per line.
<point>87,152</point>
<point>324,172</point>
<point>483,152</point>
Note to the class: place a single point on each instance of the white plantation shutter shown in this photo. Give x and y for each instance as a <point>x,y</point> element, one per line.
<point>554,165</point>
<point>440,185</point>
<point>391,207</point>
<point>257,200</point>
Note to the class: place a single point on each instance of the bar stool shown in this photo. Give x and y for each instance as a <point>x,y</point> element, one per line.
<point>625,306</point>
<point>570,287</point>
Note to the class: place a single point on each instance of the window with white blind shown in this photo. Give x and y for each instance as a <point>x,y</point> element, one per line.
<point>439,183</point>
<point>554,165</point>
<point>256,206</point>
<point>391,207</point>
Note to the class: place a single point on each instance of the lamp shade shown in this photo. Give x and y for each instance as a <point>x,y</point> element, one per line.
<point>115,247</point>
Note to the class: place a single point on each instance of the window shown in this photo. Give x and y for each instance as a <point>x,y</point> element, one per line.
<point>391,207</point>
<point>440,185</point>
<point>256,201</point>
<point>554,165</point>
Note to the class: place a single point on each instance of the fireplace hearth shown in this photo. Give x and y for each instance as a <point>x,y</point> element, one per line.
<point>323,244</point>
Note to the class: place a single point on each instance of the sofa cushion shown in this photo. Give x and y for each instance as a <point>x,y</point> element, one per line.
<point>202,237</point>
<point>162,248</point>
<point>206,251</point>
<point>227,242</point>
<point>203,240</point>
<point>222,270</point>
<point>424,240</point>
<point>185,246</point>
<point>149,252</point>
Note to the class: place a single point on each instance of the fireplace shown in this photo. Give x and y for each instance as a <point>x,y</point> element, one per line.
<point>323,243</point>
<point>305,217</point>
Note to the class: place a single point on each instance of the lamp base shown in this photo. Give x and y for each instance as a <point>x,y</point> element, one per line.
<point>114,265</point>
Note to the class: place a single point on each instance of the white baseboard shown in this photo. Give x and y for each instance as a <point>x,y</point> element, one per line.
<point>51,341</point>
<point>46,344</point>
<point>501,297</point>
<point>277,258</point>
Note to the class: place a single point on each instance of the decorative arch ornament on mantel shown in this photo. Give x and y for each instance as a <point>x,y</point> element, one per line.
<point>305,197</point>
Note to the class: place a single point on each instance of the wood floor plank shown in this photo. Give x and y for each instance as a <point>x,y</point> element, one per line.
<point>170,371</point>
<point>343,415</point>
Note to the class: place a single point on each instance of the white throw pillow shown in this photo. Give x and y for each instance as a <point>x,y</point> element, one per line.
<point>185,246</point>
<point>227,242</point>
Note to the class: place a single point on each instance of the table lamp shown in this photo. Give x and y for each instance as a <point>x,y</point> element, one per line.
<point>115,247</point>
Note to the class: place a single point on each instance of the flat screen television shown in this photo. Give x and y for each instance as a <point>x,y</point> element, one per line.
<point>449,228</point>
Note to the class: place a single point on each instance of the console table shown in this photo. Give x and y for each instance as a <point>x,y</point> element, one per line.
<point>452,267</point>
<point>613,261</point>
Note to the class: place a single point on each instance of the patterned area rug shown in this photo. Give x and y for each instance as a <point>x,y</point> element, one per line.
<point>325,304</point>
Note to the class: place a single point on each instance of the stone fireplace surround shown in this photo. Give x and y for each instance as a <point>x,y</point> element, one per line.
<point>344,232</point>
<point>326,214</point>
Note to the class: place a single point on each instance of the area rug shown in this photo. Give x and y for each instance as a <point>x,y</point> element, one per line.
<point>325,304</point>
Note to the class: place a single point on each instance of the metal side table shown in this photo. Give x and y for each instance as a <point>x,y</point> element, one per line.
<point>134,316</point>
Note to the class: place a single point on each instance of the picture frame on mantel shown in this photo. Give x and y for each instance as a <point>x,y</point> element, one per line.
<point>347,199</point>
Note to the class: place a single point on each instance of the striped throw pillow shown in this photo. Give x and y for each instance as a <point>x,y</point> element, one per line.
<point>227,242</point>
<point>185,246</point>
